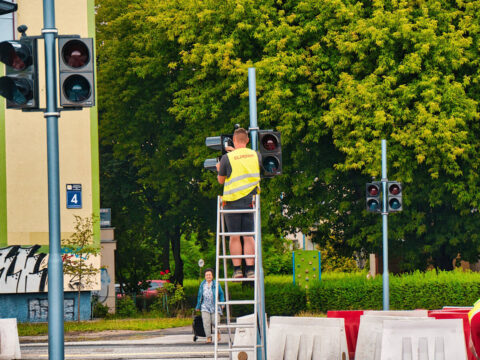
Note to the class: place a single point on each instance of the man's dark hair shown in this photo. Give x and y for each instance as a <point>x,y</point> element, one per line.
<point>209,269</point>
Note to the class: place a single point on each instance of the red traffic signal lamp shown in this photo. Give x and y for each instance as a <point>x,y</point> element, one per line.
<point>270,147</point>
<point>20,83</point>
<point>395,202</point>
<point>373,192</point>
<point>76,66</point>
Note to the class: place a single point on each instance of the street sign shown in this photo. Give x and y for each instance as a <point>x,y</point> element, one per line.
<point>201,262</point>
<point>105,217</point>
<point>74,196</point>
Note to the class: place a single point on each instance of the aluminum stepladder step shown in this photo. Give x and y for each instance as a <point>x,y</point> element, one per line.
<point>221,255</point>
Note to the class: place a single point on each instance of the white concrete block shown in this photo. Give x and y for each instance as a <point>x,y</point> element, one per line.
<point>423,340</point>
<point>9,343</point>
<point>307,338</point>
<point>369,340</point>
<point>245,336</point>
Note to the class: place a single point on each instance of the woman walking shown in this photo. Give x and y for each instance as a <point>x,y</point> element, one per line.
<point>206,303</point>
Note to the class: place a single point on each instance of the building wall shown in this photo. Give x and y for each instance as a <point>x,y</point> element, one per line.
<point>23,152</point>
<point>33,307</point>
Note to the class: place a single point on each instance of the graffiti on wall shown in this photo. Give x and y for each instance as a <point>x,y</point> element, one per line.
<point>22,270</point>
<point>38,309</point>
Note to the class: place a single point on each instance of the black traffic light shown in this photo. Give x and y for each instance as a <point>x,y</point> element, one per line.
<point>7,7</point>
<point>394,196</point>
<point>217,143</point>
<point>20,83</point>
<point>270,147</point>
<point>76,66</point>
<point>374,190</point>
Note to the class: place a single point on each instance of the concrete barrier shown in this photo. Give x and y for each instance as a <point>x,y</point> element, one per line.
<point>244,336</point>
<point>369,341</point>
<point>9,343</point>
<point>423,340</point>
<point>306,338</point>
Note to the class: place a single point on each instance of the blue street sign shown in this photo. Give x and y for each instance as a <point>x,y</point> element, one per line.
<point>74,196</point>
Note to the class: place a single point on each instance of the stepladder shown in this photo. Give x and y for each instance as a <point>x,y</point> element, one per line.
<point>246,334</point>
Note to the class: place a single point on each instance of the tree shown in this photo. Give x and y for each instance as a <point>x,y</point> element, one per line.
<point>335,77</point>
<point>79,250</point>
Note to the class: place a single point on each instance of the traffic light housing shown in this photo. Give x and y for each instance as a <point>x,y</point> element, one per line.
<point>217,143</point>
<point>373,191</point>
<point>395,202</point>
<point>76,67</point>
<point>7,7</point>
<point>270,147</point>
<point>20,83</point>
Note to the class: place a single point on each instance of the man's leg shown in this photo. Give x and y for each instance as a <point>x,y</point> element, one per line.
<point>236,249</point>
<point>249,249</point>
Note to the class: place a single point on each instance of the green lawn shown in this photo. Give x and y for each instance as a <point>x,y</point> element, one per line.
<point>31,329</point>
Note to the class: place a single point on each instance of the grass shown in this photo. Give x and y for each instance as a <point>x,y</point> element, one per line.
<point>146,324</point>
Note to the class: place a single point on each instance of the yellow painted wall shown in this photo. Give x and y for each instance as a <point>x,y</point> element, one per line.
<point>26,142</point>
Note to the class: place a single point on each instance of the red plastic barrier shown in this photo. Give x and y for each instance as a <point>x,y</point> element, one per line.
<point>352,323</point>
<point>456,314</point>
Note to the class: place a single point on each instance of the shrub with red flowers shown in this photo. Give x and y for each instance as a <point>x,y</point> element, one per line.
<point>172,297</point>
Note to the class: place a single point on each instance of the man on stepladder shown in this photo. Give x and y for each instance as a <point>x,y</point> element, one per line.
<point>239,171</point>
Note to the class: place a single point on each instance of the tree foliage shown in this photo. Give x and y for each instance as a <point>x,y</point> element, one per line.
<point>335,77</point>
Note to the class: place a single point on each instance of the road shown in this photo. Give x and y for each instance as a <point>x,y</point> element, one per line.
<point>168,344</point>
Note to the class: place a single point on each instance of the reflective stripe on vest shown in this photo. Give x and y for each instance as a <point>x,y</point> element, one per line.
<point>245,174</point>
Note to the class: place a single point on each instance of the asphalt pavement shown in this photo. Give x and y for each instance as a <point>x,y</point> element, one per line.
<point>173,343</point>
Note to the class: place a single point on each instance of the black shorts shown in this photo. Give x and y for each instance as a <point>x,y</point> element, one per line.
<point>239,222</point>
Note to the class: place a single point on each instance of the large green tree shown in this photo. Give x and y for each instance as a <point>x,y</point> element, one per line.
<point>335,77</point>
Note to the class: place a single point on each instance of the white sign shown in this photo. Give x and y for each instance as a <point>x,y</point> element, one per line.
<point>201,262</point>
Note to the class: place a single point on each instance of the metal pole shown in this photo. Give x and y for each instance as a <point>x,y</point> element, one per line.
<point>252,95</point>
<point>386,290</point>
<point>56,349</point>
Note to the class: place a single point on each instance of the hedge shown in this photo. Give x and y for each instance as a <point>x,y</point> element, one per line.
<point>428,290</point>
<point>346,291</point>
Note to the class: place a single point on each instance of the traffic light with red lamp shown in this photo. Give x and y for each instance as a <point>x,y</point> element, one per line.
<point>270,148</point>
<point>20,83</point>
<point>374,190</point>
<point>76,68</point>
<point>374,196</point>
<point>395,202</point>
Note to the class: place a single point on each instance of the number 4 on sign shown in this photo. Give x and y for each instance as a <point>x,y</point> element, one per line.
<point>74,199</point>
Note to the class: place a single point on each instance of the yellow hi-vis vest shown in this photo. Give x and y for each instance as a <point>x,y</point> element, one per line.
<point>245,174</point>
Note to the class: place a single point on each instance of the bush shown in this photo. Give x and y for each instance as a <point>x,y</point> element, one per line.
<point>126,307</point>
<point>99,310</point>
<point>281,296</point>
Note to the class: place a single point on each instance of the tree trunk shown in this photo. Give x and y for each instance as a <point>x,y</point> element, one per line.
<point>165,257</point>
<point>175,241</point>
<point>78,300</point>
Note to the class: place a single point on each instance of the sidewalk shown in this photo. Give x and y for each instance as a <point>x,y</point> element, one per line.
<point>180,335</point>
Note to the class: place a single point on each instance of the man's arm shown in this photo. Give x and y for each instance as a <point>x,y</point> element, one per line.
<point>222,169</point>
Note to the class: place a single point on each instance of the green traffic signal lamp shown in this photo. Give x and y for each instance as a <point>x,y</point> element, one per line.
<point>373,192</point>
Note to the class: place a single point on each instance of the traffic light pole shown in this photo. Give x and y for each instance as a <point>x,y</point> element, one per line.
<point>56,348</point>
<point>386,291</point>
<point>252,95</point>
